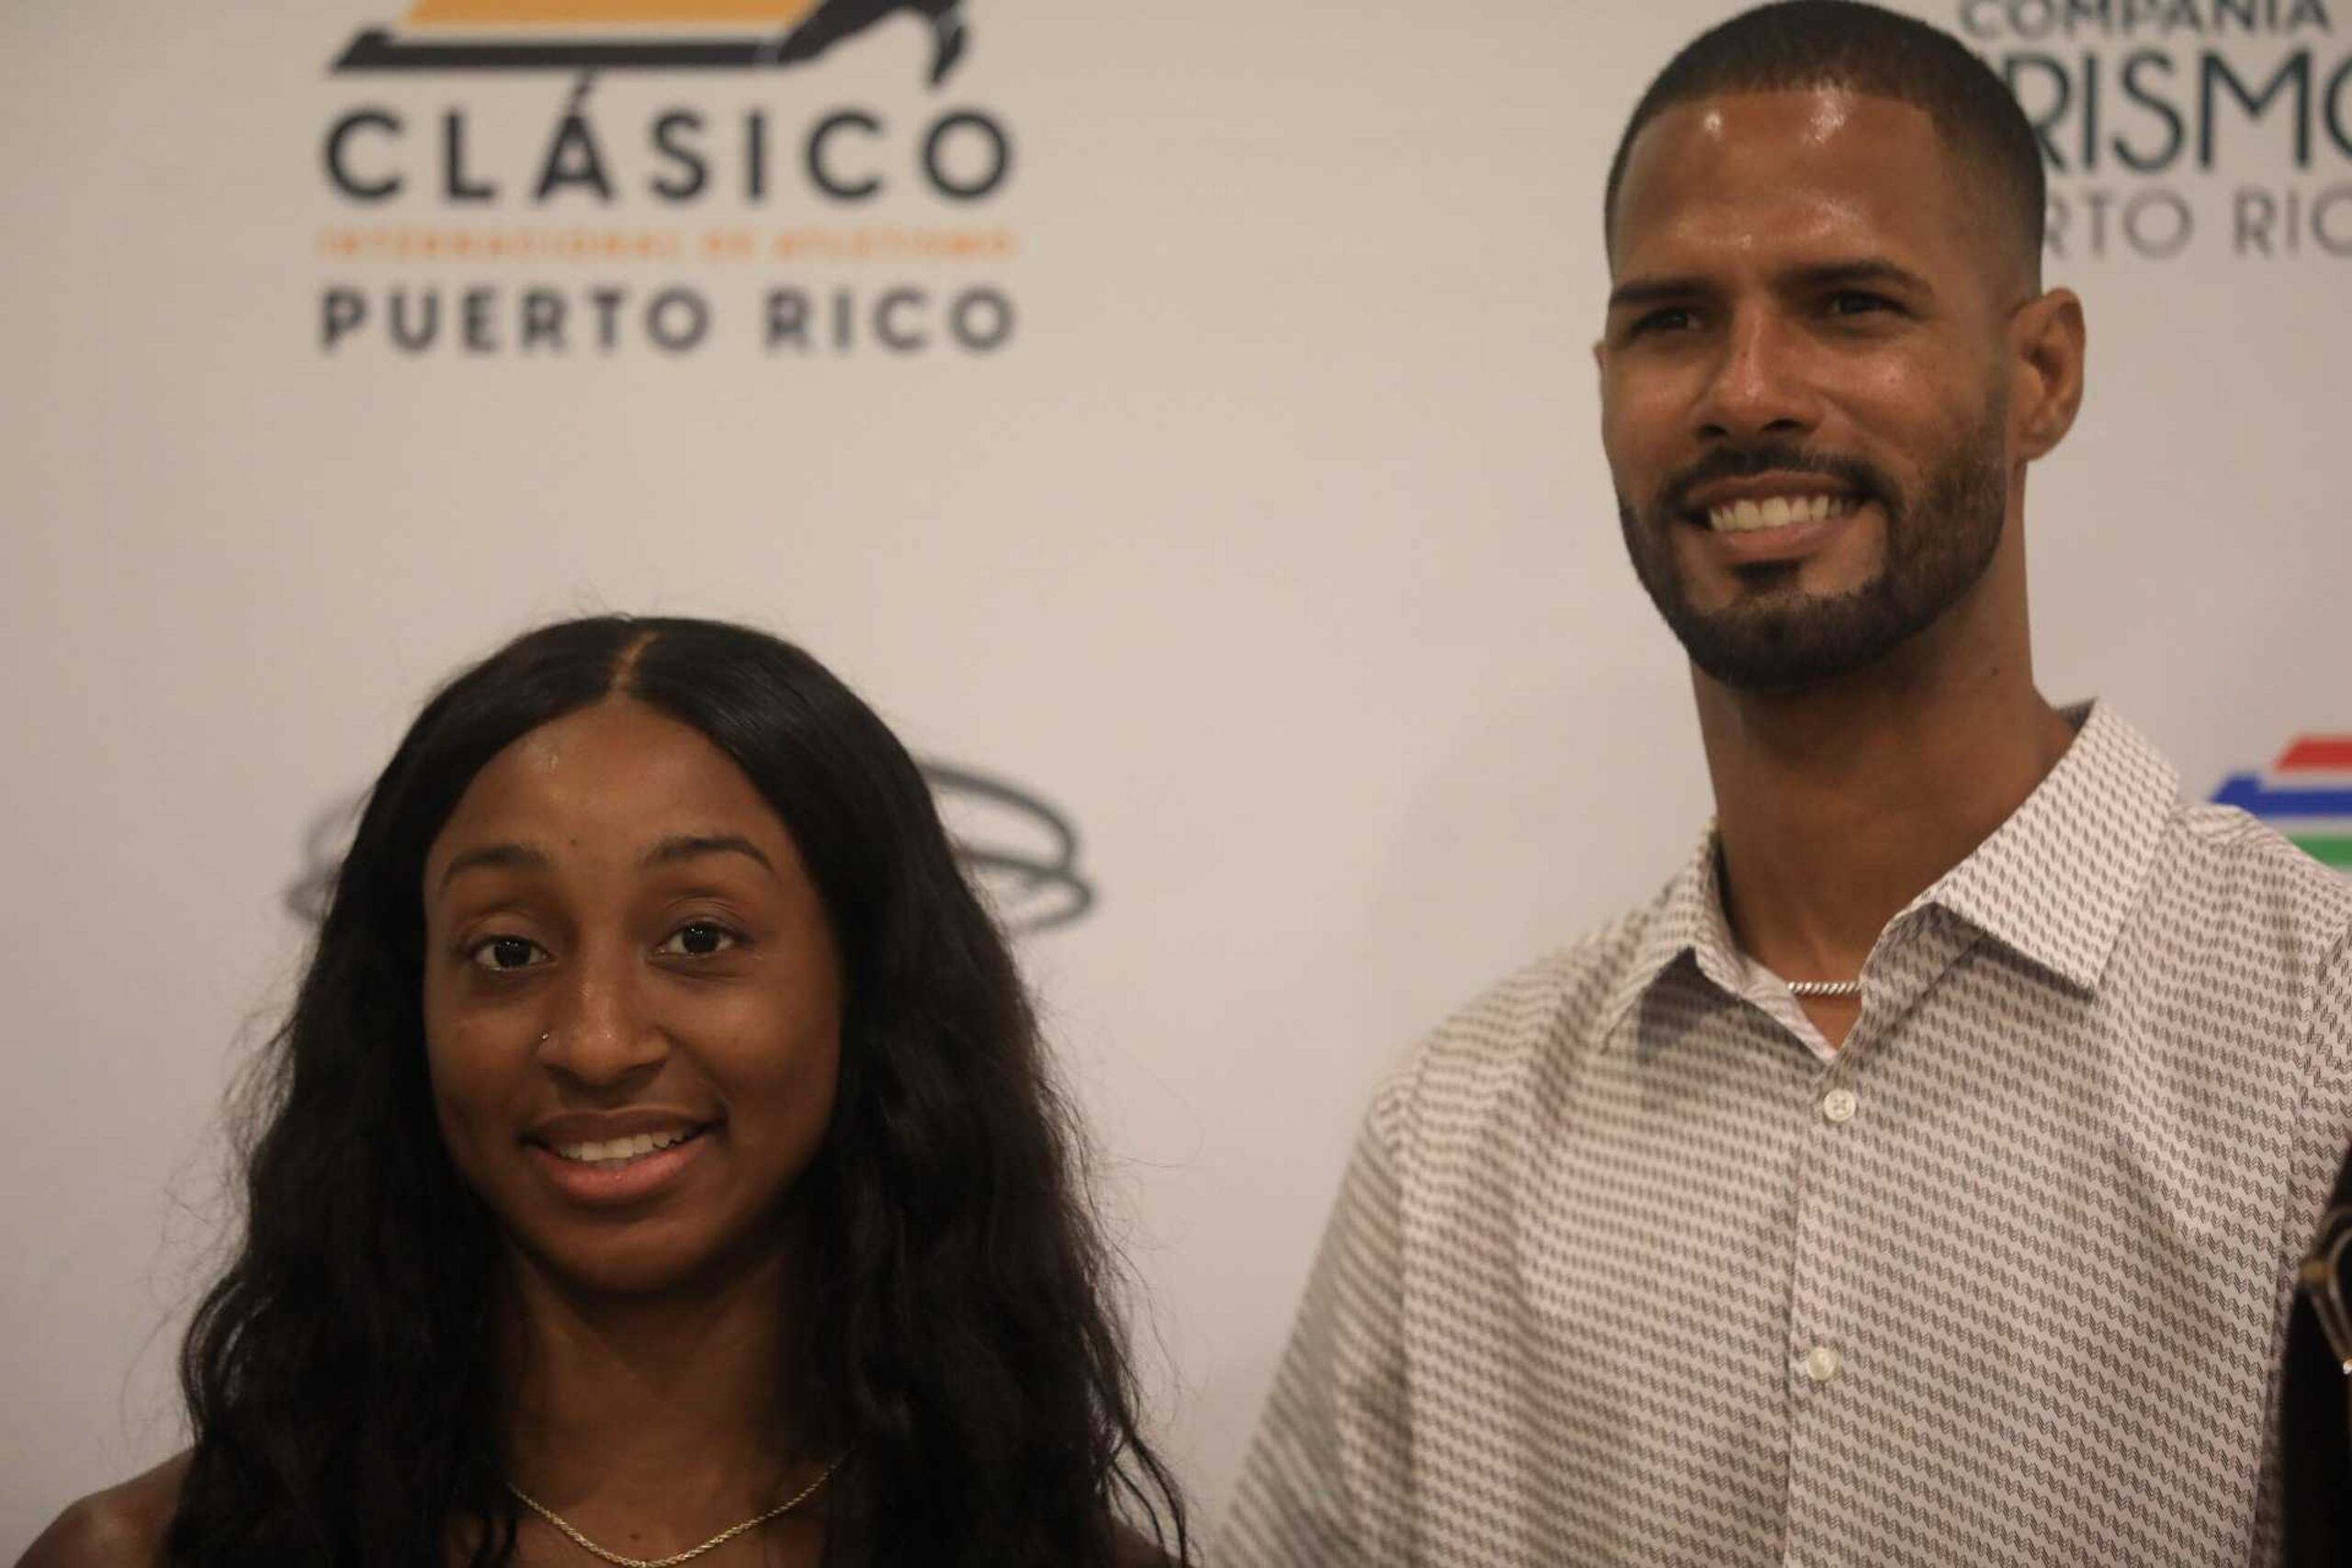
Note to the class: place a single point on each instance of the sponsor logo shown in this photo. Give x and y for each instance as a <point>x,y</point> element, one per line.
<point>578,179</point>
<point>638,35</point>
<point>2173,126</point>
<point>2306,794</point>
<point>1020,851</point>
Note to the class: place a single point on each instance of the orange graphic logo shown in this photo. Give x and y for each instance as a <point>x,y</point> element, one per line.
<point>639,35</point>
<point>603,13</point>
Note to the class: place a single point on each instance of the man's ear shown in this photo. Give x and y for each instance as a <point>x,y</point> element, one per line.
<point>2045,371</point>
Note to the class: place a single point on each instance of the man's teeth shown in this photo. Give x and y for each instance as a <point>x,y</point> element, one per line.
<point>621,1148</point>
<point>1778,511</point>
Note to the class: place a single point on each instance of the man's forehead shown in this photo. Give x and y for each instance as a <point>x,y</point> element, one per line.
<point>1878,159</point>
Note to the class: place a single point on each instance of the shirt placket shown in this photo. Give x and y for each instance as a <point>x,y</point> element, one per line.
<point>1829,1390</point>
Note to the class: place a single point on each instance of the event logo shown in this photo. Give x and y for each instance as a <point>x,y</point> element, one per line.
<point>694,35</point>
<point>2306,794</point>
<point>1020,851</point>
<point>568,202</point>
<point>2176,126</point>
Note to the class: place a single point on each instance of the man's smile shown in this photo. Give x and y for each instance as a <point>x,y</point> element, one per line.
<point>1768,501</point>
<point>1776,511</point>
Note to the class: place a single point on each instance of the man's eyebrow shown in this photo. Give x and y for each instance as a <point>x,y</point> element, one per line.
<point>518,857</point>
<point>1866,270</point>
<point>1654,291</point>
<point>1859,273</point>
<point>693,846</point>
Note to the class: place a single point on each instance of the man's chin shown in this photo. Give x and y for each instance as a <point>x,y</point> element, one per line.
<point>1800,640</point>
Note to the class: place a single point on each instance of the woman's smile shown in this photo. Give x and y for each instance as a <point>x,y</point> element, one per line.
<point>621,1170</point>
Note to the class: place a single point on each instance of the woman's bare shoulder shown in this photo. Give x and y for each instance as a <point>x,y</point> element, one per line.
<point>1130,1549</point>
<point>120,1527</point>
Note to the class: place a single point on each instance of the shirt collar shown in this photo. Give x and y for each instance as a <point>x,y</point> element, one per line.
<point>2055,882</point>
<point>1686,921</point>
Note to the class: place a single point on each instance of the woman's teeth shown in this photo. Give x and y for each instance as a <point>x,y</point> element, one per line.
<point>621,1150</point>
<point>1779,512</point>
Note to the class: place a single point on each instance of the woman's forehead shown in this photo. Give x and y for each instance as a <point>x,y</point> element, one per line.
<point>619,777</point>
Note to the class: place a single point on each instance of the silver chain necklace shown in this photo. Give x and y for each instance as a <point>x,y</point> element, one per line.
<point>721,1538</point>
<point>1824,989</point>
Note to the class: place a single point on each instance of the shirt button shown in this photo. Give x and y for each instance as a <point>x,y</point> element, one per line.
<point>1822,1362</point>
<point>1839,1105</point>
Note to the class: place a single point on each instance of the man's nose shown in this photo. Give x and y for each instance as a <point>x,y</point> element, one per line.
<point>1761,383</point>
<point>598,1029</point>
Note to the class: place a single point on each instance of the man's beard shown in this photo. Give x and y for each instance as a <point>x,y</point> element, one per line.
<point>1776,637</point>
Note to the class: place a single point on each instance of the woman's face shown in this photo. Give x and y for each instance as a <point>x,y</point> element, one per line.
<point>632,1002</point>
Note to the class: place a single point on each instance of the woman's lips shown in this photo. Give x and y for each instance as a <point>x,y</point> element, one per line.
<point>629,1181</point>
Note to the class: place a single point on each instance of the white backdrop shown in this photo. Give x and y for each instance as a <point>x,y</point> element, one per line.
<point>1274,546</point>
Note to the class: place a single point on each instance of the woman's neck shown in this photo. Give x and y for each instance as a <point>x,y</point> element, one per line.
<point>674,1407</point>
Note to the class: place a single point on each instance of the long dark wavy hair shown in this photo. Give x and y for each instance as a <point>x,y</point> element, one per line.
<point>340,1378</point>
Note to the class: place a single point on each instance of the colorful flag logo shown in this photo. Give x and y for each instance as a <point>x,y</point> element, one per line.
<point>2306,794</point>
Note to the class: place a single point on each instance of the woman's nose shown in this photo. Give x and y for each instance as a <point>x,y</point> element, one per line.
<point>598,1031</point>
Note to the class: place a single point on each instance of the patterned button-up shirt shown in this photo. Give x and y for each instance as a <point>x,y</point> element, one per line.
<point>1622,1272</point>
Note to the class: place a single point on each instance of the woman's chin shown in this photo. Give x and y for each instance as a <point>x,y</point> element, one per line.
<point>620,1267</point>
<point>646,1261</point>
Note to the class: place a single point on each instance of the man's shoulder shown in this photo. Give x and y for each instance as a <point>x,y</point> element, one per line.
<point>1568,987</point>
<point>121,1526</point>
<point>1545,1013</point>
<point>2235,874</point>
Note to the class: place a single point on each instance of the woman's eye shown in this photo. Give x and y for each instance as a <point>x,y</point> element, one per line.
<point>500,953</point>
<point>699,940</point>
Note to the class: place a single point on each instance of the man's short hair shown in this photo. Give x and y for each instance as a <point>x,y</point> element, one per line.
<point>1865,49</point>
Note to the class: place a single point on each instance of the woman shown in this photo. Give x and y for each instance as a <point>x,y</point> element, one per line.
<point>659,1160</point>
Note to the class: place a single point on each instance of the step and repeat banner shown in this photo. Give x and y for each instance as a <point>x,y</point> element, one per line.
<point>1178,421</point>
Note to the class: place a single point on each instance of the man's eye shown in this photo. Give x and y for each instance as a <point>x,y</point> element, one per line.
<point>1667,321</point>
<point>1857,303</point>
<point>700,939</point>
<point>500,953</point>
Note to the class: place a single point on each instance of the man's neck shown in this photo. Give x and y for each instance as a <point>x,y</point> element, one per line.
<point>1839,804</point>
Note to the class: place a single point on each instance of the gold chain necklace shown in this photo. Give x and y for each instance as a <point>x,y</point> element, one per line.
<point>721,1538</point>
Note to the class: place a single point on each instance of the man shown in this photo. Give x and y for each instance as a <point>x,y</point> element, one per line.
<point>1921,1177</point>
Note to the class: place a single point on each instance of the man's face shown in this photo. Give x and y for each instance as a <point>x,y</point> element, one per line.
<point>1803,393</point>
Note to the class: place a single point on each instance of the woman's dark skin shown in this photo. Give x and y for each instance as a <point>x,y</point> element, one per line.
<point>660,1118</point>
<point>121,1526</point>
<point>618,925</point>
<point>644,1340</point>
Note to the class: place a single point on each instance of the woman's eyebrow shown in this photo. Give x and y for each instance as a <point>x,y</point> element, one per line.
<point>520,857</point>
<point>693,846</point>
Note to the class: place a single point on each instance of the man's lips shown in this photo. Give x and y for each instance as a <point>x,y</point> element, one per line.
<point>1747,532</point>
<point>1759,487</point>
<point>1774,499</point>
